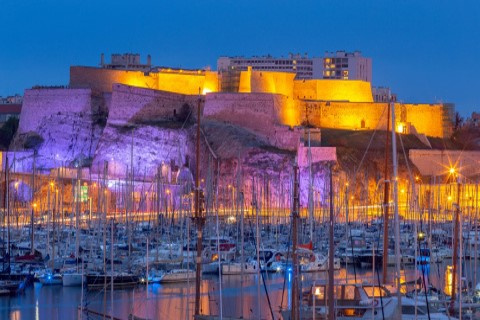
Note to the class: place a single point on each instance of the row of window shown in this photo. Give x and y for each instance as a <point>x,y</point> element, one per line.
<point>276,62</point>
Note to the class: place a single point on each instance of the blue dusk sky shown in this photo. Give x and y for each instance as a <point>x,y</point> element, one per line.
<point>426,51</point>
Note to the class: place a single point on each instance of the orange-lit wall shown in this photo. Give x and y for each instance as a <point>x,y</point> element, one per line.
<point>333,90</point>
<point>103,79</point>
<point>426,118</point>
<point>187,83</point>
<point>172,81</point>
<point>266,82</point>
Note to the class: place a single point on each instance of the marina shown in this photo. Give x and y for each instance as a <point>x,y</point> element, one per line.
<point>274,185</point>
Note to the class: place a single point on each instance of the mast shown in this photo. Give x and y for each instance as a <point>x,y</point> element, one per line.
<point>199,219</point>
<point>386,192</point>
<point>295,294</point>
<point>310,188</point>
<point>396,217</point>
<point>331,307</point>
<point>455,247</point>
<point>32,216</point>
<point>6,210</point>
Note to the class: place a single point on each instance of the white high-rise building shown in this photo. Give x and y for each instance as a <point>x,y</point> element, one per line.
<point>343,65</point>
<point>296,63</point>
<point>339,65</point>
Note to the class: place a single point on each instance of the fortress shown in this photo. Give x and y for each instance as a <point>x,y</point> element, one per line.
<point>141,123</point>
<point>343,104</point>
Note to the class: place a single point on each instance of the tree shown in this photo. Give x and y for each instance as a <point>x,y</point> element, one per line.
<point>458,121</point>
<point>7,132</point>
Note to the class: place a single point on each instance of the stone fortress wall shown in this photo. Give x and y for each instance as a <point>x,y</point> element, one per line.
<point>173,81</point>
<point>41,103</point>
<point>63,118</point>
<point>139,105</point>
<point>341,104</point>
<point>269,104</point>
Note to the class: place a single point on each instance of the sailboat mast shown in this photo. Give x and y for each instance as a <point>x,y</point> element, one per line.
<point>310,188</point>
<point>331,280</point>
<point>396,216</point>
<point>456,232</point>
<point>200,221</point>
<point>295,294</point>
<point>386,192</point>
<point>32,216</point>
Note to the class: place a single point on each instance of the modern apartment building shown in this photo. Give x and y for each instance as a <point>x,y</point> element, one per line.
<point>339,65</point>
<point>343,65</point>
<point>296,63</point>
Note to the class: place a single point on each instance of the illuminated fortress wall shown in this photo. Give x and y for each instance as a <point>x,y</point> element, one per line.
<point>132,105</point>
<point>257,112</point>
<point>333,90</point>
<point>41,103</point>
<point>102,79</point>
<point>138,120</point>
<point>173,81</point>
<point>63,119</point>
<point>426,118</point>
<point>266,82</point>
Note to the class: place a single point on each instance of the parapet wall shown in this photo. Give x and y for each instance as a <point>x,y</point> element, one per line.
<point>103,79</point>
<point>257,112</point>
<point>179,82</point>
<point>266,82</point>
<point>426,118</point>
<point>139,105</point>
<point>42,103</point>
<point>333,90</point>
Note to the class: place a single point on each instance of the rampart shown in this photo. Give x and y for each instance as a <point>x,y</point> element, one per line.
<point>42,103</point>
<point>173,81</point>
<point>138,105</point>
<point>427,119</point>
<point>333,90</point>
<point>257,112</point>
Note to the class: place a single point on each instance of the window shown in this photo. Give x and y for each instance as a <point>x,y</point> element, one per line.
<point>375,292</point>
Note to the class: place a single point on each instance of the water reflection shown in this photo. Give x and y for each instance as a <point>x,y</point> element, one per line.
<point>176,301</point>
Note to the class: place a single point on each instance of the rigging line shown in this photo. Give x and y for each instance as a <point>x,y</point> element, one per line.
<point>406,159</point>
<point>286,266</point>
<point>263,277</point>
<point>369,143</point>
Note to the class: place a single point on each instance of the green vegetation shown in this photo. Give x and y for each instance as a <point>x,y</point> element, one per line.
<point>7,132</point>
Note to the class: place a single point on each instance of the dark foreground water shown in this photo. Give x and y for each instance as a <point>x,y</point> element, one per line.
<point>176,301</point>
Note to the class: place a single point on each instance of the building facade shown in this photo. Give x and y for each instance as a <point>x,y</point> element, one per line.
<point>126,61</point>
<point>343,65</point>
<point>302,66</point>
<point>339,65</point>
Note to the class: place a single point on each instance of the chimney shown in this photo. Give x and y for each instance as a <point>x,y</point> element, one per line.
<point>102,60</point>
<point>149,60</point>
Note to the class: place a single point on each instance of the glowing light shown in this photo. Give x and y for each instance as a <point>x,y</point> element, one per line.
<point>401,128</point>
<point>16,185</point>
<point>449,198</point>
<point>402,191</point>
<point>34,205</point>
<point>452,170</point>
<point>206,90</point>
<point>167,191</point>
<point>448,280</point>
<point>420,236</point>
<point>52,184</point>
